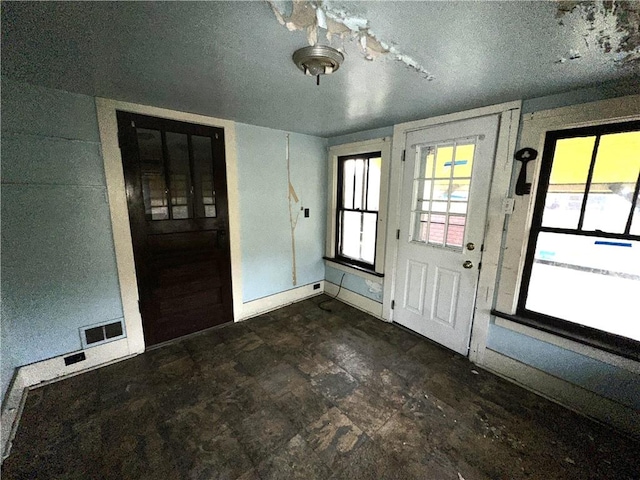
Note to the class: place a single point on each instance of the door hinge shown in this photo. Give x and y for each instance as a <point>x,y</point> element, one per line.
<point>393,304</point>
<point>404,154</point>
<point>482,247</point>
<point>479,266</point>
<point>398,234</point>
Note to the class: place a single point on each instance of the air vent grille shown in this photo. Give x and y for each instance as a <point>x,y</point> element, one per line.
<point>96,334</point>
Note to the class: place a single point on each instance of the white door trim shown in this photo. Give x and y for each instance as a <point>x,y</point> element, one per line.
<point>503,164</point>
<point>108,126</point>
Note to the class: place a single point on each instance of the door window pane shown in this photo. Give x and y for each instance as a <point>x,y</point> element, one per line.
<point>464,160</point>
<point>154,189</point>
<point>447,168</point>
<point>179,175</point>
<point>203,176</point>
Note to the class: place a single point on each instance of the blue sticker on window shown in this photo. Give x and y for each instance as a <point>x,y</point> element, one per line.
<point>457,162</point>
<point>613,244</point>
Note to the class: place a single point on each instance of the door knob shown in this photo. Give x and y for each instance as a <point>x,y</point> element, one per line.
<point>471,246</point>
<point>467,264</point>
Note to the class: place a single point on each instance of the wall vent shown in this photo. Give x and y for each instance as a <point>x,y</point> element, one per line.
<point>93,335</point>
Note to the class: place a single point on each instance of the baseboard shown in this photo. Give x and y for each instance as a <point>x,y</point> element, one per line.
<point>47,371</point>
<point>568,395</point>
<point>354,299</point>
<point>282,299</point>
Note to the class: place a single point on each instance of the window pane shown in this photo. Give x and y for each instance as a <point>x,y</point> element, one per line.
<point>179,175</point>
<point>613,182</point>
<point>444,155</point>
<point>458,207</point>
<point>587,280</point>
<point>455,231</point>
<point>426,189</point>
<point>428,157</point>
<point>460,189</point>
<point>438,206</point>
<point>436,229</point>
<point>152,174</point>
<point>349,168</point>
<point>368,251</point>
<point>441,189</point>
<point>635,221</point>
<point>359,184</point>
<point>422,228</point>
<point>203,176</point>
<point>373,189</point>
<point>350,241</point>
<point>571,162</point>
<point>464,160</point>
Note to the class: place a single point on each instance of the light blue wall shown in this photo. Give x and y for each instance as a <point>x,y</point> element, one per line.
<point>58,262</point>
<point>264,209</point>
<point>352,282</point>
<point>599,377</point>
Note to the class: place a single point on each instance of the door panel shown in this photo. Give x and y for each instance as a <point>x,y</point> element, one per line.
<point>175,177</point>
<point>415,286</point>
<point>445,189</point>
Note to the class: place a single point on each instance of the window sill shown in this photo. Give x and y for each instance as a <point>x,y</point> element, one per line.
<point>357,268</point>
<point>609,342</point>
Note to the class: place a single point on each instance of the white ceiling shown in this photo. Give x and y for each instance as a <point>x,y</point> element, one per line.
<point>233,59</point>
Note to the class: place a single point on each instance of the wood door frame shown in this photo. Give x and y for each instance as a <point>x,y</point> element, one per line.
<point>114,175</point>
<point>500,188</point>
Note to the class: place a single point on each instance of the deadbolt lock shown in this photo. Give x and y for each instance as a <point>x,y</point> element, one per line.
<point>467,264</point>
<point>471,246</point>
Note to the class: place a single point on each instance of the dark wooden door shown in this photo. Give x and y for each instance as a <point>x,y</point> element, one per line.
<point>176,188</point>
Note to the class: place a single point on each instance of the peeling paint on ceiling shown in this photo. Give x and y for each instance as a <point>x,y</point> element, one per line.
<point>314,16</point>
<point>614,25</point>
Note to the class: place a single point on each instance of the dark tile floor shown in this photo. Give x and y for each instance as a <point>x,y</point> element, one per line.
<point>303,393</point>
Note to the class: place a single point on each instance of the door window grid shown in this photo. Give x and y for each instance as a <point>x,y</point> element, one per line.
<point>176,172</point>
<point>358,205</point>
<point>441,192</point>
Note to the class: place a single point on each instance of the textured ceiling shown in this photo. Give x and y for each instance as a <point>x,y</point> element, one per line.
<point>233,59</point>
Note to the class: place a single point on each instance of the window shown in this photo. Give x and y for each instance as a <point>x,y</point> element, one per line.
<point>176,174</point>
<point>358,206</point>
<point>356,213</point>
<point>441,193</point>
<point>582,270</point>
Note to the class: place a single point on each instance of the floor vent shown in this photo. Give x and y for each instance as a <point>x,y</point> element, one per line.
<point>102,333</point>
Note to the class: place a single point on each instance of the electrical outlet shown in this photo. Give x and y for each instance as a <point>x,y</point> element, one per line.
<point>71,359</point>
<point>306,213</point>
<point>316,286</point>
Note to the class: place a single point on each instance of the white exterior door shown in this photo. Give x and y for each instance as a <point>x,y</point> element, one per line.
<point>443,206</point>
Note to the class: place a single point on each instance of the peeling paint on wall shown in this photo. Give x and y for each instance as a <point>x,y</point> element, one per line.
<point>314,16</point>
<point>293,219</point>
<point>614,25</point>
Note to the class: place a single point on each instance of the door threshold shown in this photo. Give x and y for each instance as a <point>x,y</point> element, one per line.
<point>185,337</point>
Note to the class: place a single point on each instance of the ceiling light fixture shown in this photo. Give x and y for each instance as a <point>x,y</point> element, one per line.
<point>318,60</point>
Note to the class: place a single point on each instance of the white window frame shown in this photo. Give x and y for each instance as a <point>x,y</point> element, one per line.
<point>382,145</point>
